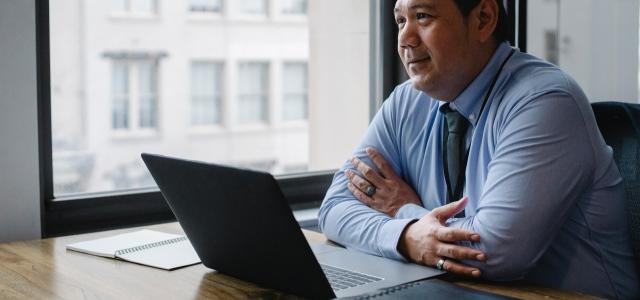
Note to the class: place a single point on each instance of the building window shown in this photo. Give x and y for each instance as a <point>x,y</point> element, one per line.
<point>206,6</point>
<point>294,7</point>
<point>254,7</point>
<point>295,91</point>
<point>143,7</point>
<point>206,93</point>
<point>134,95</point>
<point>120,96</point>
<point>253,92</point>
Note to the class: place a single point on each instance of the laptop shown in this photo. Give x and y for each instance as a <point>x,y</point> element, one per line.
<point>240,224</point>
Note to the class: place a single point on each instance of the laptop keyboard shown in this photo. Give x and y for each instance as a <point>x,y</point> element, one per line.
<point>341,279</point>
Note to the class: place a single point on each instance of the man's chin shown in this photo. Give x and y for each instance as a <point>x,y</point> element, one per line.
<point>428,88</point>
<point>420,84</point>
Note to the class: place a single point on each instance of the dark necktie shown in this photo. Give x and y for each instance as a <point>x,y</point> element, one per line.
<point>455,129</point>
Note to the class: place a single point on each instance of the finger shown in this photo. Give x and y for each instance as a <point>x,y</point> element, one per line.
<point>358,181</point>
<point>447,211</point>
<point>369,173</point>
<point>448,234</point>
<point>460,253</point>
<point>360,195</point>
<point>385,169</point>
<point>460,269</point>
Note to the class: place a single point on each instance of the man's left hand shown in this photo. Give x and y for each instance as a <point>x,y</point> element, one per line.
<point>390,192</point>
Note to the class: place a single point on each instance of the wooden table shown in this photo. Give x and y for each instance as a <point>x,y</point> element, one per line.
<point>44,269</point>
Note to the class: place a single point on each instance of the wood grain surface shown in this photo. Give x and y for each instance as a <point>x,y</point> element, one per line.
<point>44,269</point>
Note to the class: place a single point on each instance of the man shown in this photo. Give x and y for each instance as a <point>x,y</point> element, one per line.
<point>513,134</point>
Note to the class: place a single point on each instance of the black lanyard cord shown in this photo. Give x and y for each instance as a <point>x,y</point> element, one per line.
<point>461,176</point>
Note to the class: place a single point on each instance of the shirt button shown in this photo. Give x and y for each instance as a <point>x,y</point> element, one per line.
<point>472,116</point>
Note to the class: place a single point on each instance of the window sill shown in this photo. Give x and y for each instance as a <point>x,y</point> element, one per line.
<point>293,124</point>
<point>292,18</point>
<point>252,127</point>
<point>90,212</point>
<point>124,135</point>
<point>197,17</point>
<point>206,130</point>
<point>126,16</point>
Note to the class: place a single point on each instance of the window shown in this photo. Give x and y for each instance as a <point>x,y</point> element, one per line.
<point>134,95</point>
<point>596,42</point>
<point>254,7</point>
<point>113,97</point>
<point>294,7</point>
<point>294,87</point>
<point>120,96</point>
<point>142,7</point>
<point>206,93</point>
<point>207,6</point>
<point>253,92</point>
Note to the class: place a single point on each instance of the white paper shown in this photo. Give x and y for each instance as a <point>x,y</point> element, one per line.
<point>108,246</point>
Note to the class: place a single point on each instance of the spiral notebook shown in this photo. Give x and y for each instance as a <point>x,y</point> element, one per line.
<point>146,247</point>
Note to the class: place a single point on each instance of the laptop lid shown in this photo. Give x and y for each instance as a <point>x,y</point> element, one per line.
<point>240,224</point>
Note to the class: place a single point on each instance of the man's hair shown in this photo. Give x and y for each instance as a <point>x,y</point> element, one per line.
<point>502,31</point>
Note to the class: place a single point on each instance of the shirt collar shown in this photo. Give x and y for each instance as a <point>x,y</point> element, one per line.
<point>469,102</point>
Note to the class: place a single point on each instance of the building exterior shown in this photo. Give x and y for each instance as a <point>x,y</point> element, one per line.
<point>275,85</point>
<point>221,81</point>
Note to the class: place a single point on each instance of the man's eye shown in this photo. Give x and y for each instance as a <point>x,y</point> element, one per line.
<point>422,16</point>
<point>400,21</point>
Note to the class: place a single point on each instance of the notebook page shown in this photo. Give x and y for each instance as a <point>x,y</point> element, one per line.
<point>108,246</point>
<point>166,256</point>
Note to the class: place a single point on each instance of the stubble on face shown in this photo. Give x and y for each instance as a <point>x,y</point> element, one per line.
<point>432,43</point>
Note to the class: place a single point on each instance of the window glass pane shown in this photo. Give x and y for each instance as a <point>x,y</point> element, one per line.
<point>294,91</point>
<point>252,92</point>
<point>120,95</point>
<point>595,41</point>
<point>206,86</point>
<point>237,91</point>
<point>205,6</point>
<point>294,7</point>
<point>256,7</point>
<point>143,6</point>
<point>147,94</point>
<point>119,5</point>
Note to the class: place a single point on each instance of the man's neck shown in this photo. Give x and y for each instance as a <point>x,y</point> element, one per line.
<point>484,55</point>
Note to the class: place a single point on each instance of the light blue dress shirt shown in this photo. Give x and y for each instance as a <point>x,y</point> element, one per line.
<point>544,192</point>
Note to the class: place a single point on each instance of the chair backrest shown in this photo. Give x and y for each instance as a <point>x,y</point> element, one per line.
<point>619,124</point>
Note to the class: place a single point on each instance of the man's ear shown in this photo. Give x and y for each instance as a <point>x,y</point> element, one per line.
<point>485,19</point>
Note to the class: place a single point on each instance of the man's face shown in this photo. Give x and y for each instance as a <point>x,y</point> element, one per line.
<point>435,46</point>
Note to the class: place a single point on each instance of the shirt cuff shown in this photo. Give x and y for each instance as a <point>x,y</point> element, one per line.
<point>411,211</point>
<point>389,236</point>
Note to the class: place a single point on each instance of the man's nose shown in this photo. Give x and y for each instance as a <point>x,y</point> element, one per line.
<point>408,36</point>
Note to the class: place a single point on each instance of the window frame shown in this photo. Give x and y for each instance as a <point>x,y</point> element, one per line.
<point>135,94</point>
<point>265,69</point>
<point>206,11</point>
<point>217,95</point>
<point>303,93</point>
<point>132,13</point>
<point>101,211</point>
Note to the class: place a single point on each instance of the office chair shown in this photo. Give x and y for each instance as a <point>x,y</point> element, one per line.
<point>619,124</point>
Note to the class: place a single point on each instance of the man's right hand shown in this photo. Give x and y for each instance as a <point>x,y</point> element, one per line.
<point>428,240</point>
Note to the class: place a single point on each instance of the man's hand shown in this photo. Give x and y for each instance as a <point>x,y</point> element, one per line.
<point>428,240</point>
<point>391,192</point>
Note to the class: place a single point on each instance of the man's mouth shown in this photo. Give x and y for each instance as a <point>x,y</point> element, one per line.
<point>419,60</point>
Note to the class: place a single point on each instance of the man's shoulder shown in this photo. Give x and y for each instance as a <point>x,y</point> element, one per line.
<point>530,79</point>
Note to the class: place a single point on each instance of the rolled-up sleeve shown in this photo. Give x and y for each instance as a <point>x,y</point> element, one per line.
<point>541,163</point>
